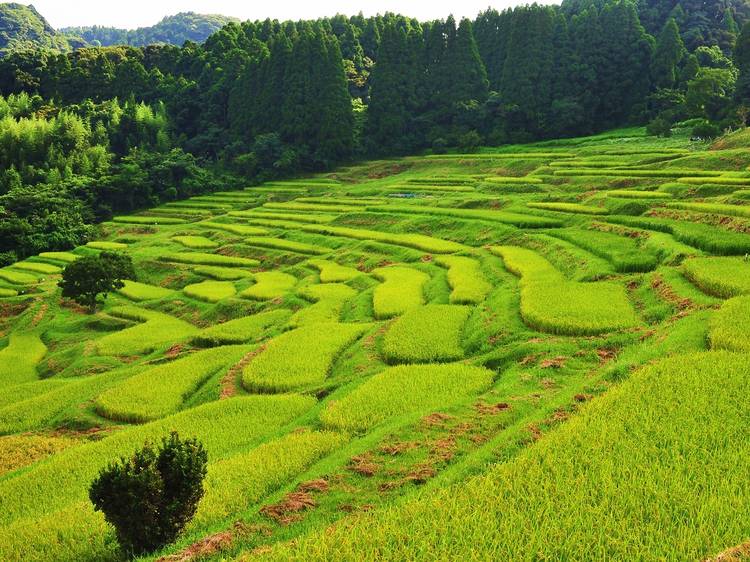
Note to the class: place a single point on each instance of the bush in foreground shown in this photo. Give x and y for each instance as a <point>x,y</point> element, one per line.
<point>150,497</point>
<point>87,278</point>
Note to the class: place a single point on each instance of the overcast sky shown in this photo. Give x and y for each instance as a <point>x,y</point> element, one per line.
<point>139,13</point>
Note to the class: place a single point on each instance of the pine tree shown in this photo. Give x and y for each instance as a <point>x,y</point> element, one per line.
<point>670,50</point>
<point>467,72</point>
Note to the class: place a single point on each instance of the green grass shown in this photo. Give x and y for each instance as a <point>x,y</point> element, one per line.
<point>198,258</point>
<point>715,208</point>
<point>331,272</point>
<point>286,245</point>
<point>514,219</point>
<point>402,289</point>
<point>142,292</point>
<point>18,277</point>
<point>720,277</point>
<point>211,291</point>
<point>239,229</point>
<point>155,221</point>
<point>468,283</point>
<point>37,267</point>
<point>109,246</point>
<point>65,257</point>
<point>625,255</point>
<point>294,217</point>
<point>429,334</point>
<point>196,242</point>
<point>241,330</point>
<point>329,302</point>
<point>402,390</point>
<point>569,208</point>
<point>160,391</point>
<point>550,303</point>
<point>643,473</point>
<point>633,194</point>
<point>18,360</point>
<point>7,293</point>
<point>270,285</point>
<point>154,330</point>
<point>300,358</point>
<point>730,326</point>
<point>222,273</point>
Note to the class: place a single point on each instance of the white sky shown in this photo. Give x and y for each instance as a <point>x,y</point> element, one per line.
<point>130,14</point>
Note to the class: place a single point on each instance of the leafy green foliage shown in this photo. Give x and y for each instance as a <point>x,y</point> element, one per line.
<point>87,278</point>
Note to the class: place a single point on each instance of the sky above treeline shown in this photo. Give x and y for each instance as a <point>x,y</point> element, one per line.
<point>131,14</point>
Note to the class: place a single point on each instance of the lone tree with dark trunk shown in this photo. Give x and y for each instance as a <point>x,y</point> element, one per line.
<point>88,277</point>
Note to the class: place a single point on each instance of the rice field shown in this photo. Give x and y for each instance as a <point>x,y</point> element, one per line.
<point>531,352</point>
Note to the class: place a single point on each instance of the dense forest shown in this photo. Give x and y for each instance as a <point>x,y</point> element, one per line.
<point>100,130</point>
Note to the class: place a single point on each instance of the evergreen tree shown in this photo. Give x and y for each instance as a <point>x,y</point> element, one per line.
<point>742,62</point>
<point>669,52</point>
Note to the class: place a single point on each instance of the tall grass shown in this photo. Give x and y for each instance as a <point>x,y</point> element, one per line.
<point>211,291</point>
<point>465,277</point>
<point>154,329</point>
<point>18,360</point>
<point>195,242</point>
<point>270,285</point>
<point>142,292</point>
<point>246,329</point>
<point>730,326</point>
<point>720,277</point>
<point>402,289</point>
<point>198,258</point>
<point>329,301</point>
<point>331,272</point>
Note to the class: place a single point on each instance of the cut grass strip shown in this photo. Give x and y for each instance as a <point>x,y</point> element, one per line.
<point>160,391</point>
<point>211,291</point>
<point>198,258</point>
<point>720,277</point>
<point>195,242</point>
<point>514,219</point>
<point>550,303</point>
<point>730,326</point>
<point>142,292</point>
<point>222,273</point>
<point>331,272</point>
<point>402,289</point>
<point>429,334</point>
<point>239,229</point>
<point>329,301</point>
<point>108,246</point>
<point>270,285</point>
<point>576,208</point>
<point>404,390</point>
<point>156,329</point>
<point>465,277</point>
<point>286,245</point>
<point>300,358</point>
<point>155,221</point>
<point>241,330</point>
<point>18,360</point>
<point>587,491</point>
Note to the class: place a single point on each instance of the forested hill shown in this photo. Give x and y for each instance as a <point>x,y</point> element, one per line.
<point>23,27</point>
<point>102,130</point>
<point>172,30</point>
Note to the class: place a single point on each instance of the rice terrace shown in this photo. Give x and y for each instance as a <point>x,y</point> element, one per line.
<point>516,344</point>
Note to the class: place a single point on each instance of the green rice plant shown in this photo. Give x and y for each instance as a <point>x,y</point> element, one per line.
<point>194,204</point>
<point>286,245</point>
<point>515,219</point>
<point>242,330</point>
<point>160,391</point>
<point>609,484</point>
<point>50,511</point>
<point>142,292</point>
<point>331,272</point>
<point>240,229</point>
<point>511,179</point>
<point>14,394</point>
<point>428,334</point>
<point>7,293</point>
<point>300,358</point>
<point>155,221</point>
<point>37,267</point>
<point>222,273</point>
<point>443,180</point>
<point>198,258</point>
<point>109,246</point>
<point>402,289</point>
<point>211,291</point>
<point>312,207</point>
<point>18,277</point>
<point>329,301</point>
<point>235,484</point>
<point>632,194</point>
<point>569,208</point>
<point>430,188</point>
<point>633,173</point>
<point>720,277</point>
<point>730,326</point>
<point>714,208</point>
<point>402,390</point>
<point>17,451</point>
<point>65,257</point>
<point>623,253</point>
<point>720,180</point>
<point>465,277</point>
<point>502,156</point>
<point>294,217</point>
<point>155,329</point>
<point>18,360</point>
<point>270,285</point>
<point>175,212</point>
<point>195,242</point>
<point>550,303</point>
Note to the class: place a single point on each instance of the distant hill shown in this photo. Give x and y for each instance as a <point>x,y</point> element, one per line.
<point>22,26</point>
<point>173,30</point>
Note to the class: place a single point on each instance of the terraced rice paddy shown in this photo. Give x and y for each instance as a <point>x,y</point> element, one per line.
<point>551,341</point>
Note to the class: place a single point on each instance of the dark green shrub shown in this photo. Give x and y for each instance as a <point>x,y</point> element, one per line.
<point>439,146</point>
<point>87,278</point>
<point>659,127</point>
<point>470,142</point>
<point>706,131</point>
<point>150,497</point>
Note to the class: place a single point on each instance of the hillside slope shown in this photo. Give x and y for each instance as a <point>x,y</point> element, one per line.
<point>23,27</point>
